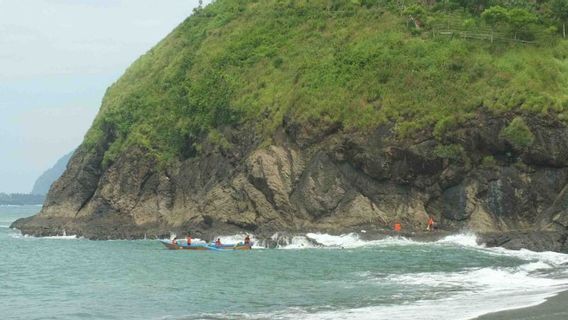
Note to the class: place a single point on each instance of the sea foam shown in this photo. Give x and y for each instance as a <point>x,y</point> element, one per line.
<point>483,290</point>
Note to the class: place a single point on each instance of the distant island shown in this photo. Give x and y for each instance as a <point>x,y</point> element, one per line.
<point>43,183</point>
<point>40,188</point>
<point>20,199</point>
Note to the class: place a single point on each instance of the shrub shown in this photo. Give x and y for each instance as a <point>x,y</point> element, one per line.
<point>451,151</point>
<point>518,134</point>
<point>488,162</point>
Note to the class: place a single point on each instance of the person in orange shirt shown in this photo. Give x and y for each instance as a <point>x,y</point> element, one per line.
<point>430,226</point>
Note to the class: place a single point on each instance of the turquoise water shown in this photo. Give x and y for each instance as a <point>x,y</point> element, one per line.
<point>67,278</point>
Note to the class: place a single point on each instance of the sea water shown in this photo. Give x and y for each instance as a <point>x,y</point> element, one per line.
<point>342,278</point>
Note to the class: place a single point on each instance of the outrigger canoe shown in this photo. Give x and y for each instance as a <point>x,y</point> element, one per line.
<point>204,246</point>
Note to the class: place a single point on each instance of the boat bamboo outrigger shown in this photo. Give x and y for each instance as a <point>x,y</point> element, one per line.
<point>205,246</point>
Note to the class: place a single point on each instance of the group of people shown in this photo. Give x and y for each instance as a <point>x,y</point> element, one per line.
<point>217,242</point>
<point>246,242</point>
<point>429,226</point>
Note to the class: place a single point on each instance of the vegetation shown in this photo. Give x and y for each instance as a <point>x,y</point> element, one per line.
<point>356,63</point>
<point>518,134</point>
<point>452,151</point>
<point>488,162</point>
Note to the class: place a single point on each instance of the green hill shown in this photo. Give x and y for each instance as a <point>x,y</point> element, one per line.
<point>356,64</point>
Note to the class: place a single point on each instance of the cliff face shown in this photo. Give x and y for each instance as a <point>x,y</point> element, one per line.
<point>266,116</point>
<point>320,178</point>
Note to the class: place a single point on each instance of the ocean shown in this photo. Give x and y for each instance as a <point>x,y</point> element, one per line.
<point>67,277</point>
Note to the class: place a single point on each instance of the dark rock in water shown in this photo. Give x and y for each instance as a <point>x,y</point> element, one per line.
<point>535,240</point>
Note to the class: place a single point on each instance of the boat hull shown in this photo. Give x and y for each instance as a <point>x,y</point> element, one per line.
<point>204,247</point>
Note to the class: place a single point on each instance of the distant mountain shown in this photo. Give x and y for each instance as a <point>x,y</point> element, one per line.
<point>42,184</point>
<point>18,199</point>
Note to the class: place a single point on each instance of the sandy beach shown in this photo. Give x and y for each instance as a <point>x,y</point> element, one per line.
<point>555,308</point>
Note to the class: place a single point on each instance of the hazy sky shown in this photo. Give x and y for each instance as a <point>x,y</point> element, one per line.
<point>57,57</point>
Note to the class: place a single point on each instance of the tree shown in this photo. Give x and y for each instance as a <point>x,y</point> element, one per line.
<point>560,13</point>
<point>519,18</point>
<point>495,16</point>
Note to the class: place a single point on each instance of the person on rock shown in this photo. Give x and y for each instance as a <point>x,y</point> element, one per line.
<point>430,226</point>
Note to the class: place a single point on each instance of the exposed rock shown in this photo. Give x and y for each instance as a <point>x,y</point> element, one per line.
<point>334,181</point>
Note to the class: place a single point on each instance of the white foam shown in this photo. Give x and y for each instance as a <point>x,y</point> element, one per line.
<point>297,242</point>
<point>552,259</point>
<point>63,237</point>
<point>472,292</point>
<point>482,290</point>
<point>463,239</point>
<point>240,238</point>
<point>348,241</point>
<point>353,240</point>
<point>448,309</point>
<point>475,292</point>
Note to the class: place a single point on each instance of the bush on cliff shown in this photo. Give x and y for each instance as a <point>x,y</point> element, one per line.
<point>518,134</point>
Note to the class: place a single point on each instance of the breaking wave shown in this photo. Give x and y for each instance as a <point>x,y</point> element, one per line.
<point>482,290</point>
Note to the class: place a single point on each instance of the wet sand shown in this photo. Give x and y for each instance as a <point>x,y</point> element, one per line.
<point>555,308</point>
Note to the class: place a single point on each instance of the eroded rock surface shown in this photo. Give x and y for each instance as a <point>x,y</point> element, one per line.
<point>324,179</point>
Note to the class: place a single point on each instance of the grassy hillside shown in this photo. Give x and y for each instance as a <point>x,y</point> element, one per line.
<point>359,63</point>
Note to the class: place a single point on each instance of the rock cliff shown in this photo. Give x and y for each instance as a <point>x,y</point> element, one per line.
<point>325,179</point>
<point>297,116</point>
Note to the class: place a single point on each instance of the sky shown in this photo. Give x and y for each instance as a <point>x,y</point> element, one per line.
<point>57,57</point>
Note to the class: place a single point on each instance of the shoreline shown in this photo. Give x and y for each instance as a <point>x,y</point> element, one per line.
<point>554,308</point>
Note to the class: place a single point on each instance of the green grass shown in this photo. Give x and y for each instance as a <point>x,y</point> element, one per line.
<point>322,62</point>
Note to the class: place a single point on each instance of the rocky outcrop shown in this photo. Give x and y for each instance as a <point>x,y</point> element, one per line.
<point>323,178</point>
